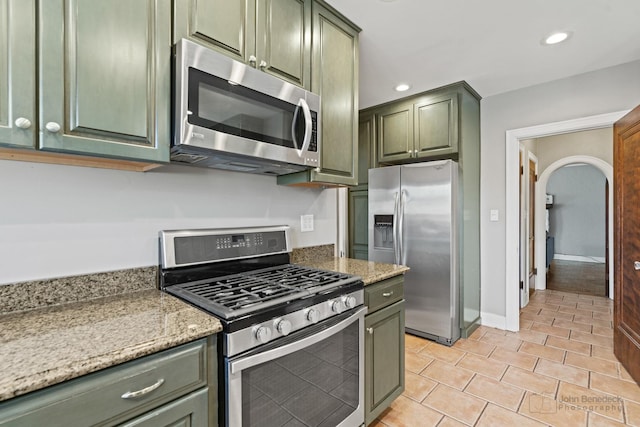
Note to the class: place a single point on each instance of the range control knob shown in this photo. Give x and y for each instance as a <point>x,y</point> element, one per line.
<point>313,315</point>
<point>263,334</point>
<point>337,306</point>
<point>284,327</point>
<point>350,301</point>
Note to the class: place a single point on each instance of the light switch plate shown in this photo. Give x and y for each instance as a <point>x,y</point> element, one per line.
<point>494,215</point>
<point>306,222</point>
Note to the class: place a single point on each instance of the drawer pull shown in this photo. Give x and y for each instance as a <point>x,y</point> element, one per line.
<point>370,330</point>
<point>387,294</point>
<point>142,392</point>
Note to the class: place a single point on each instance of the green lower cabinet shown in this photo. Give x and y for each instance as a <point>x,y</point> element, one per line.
<point>174,387</point>
<point>384,359</point>
<point>191,410</point>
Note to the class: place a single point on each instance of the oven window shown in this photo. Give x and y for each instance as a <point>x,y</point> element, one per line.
<point>316,386</point>
<point>218,105</point>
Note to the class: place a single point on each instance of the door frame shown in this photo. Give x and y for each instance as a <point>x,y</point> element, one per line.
<point>512,245</point>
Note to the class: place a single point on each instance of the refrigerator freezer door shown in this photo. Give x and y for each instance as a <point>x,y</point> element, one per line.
<point>429,238</point>
<point>384,191</point>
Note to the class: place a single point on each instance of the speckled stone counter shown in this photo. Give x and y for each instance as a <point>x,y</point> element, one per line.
<point>370,271</point>
<point>45,346</point>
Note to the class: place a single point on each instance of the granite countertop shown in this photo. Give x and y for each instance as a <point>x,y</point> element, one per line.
<point>45,346</point>
<point>370,271</point>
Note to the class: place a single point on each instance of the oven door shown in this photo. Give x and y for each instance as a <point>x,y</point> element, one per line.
<point>314,378</point>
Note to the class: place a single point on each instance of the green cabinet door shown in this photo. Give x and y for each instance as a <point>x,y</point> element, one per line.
<point>104,74</point>
<point>436,126</point>
<point>17,73</point>
<point>335,78</point>
<point>366,146</point>
<point>358,223</point>
<point>395,132</point>
<point>273,35</point>
<point>384,359</point>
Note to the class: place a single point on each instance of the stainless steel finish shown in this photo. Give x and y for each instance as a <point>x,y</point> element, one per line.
<point>384,201</point>
<point>168,239</point>
<point>396,244</point>
<point>236,367</point>
<point>23,123</point>
<point>142,392</point>
<point>205,147</point>
<point>636,265</point>
<point>387,294</point>
<point>245,339</point>
<point>428,231</point>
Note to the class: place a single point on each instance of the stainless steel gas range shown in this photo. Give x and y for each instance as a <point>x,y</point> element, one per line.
<point>292,347</point>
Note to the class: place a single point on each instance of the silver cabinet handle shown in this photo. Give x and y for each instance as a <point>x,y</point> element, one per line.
<point>23,123</point>
<point>370,330</point>
<point>142,392</point>
<point>252,61</point>
<point>387,294</point>
<point>636,265</point>
<point>52,127</point>
<point>263,64</point>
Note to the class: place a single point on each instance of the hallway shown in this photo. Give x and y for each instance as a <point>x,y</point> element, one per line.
<point>558,370</point>
<point>578,277</point>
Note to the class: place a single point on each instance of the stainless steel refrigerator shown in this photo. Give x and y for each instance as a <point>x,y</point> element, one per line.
<point>414,220</point>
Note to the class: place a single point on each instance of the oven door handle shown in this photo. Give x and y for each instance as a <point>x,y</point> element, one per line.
<point>256,359</point>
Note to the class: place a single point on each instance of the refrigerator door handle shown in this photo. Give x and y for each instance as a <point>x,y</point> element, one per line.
<point>402,255</point>
<point>396,242</point>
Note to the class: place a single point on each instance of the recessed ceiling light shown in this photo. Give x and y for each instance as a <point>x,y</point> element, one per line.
<point>402,87</point>
<point>555,38</point>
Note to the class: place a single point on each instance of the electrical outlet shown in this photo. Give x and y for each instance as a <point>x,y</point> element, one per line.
<point>306,222</point>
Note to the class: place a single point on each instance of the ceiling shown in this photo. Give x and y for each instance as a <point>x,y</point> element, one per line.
<point>494,45</point>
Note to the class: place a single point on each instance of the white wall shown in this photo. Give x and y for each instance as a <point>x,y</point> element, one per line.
<point>62,220</point>
<point>603,91</point>
<point>596,143</point>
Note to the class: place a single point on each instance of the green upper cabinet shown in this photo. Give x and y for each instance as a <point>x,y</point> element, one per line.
<point>104,73</point>
<point>395,132</point>
<point>335,79</point>
<point>17,73</point>
<point>273,35</point>
<point>422,127</point>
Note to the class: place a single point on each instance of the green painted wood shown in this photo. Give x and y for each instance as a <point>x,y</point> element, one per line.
<point>226,26</point>
<point>96,398</point>
<point>17,72</point>
<point>358,223</point>
<point>384,293</point>
<point>189,411</point>
<point>104,72</point>
<point>366,146</point>
<point>334,56</point>
<point>384,359</point>
<point>283,39</point>
<point>436,126</point>
<point>395,132</point>
<point>275,33</point>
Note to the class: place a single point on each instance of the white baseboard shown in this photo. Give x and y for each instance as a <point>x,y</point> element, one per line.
<point>579,258</point>
<point>493,320</point>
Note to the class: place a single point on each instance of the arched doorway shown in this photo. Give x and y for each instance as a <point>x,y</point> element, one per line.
<point>543,180</point>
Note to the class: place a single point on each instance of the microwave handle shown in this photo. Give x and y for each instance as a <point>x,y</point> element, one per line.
<point>307,129</point>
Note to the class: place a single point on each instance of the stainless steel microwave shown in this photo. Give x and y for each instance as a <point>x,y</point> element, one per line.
<point>231,116</point>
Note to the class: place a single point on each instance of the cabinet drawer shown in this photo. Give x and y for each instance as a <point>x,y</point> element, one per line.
<point>101,398</point>
<point>383,293</point>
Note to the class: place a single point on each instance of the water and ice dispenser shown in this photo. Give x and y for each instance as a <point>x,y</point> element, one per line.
<point>383,231</point>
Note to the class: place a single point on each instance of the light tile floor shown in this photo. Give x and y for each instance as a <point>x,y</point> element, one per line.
<point>558,370</point>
